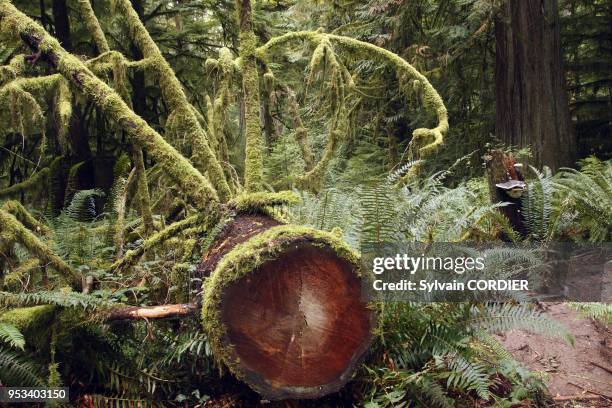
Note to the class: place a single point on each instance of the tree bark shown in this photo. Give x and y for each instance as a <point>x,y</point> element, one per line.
<point>531,102</point>
<point>283,309</point>
<point>61,23</point>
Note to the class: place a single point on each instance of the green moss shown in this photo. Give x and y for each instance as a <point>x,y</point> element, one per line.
<point>29,318</point>
<point>192,182</point>
<point>256,202</point>
<point>425,141</point>
<point>63,112</point>
<point>13,279</point>
<point>20,213</point>
<point>35,181</point>
<point>301,132</point>
<point>253,173</point>
<point>14,69</point>
<point>132,256</point>
<point>244,259</point>
<point>93,26</point>
<point>203,156</point>
<point>36,247</point>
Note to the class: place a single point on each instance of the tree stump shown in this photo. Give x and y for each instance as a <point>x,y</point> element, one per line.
<point>283,308</point>
<point>506,184</point>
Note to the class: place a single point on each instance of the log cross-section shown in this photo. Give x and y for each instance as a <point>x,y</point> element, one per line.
<point>283,308</point>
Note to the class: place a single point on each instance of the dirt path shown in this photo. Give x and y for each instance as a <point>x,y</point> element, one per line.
<point>580,376</point>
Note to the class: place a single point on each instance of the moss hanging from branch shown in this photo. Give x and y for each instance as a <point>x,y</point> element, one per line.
<point>424,141</point>
<point>16,24</point>
<point>174,95</point>
<point>301,133</point>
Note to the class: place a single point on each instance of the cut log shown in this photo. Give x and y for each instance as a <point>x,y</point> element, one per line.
<point>283,308</point>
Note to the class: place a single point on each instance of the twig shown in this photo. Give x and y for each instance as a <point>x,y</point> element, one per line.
<point>609,370</point>
<point>576,398</point>
<point>589,390</point>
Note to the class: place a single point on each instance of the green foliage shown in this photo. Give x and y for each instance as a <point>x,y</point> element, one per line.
<point>598,311</point>
<point>17,371</point>
<point>11,335</point>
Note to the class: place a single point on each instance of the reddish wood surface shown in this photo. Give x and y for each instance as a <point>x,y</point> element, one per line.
<point>297,323</point>
<point>237,231</point>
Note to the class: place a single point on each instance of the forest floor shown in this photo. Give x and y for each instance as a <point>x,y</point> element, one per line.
<point>579,376</point>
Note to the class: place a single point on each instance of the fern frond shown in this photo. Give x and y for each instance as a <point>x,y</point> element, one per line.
<point>17,371</point>
<point>11,335</point>
<point>63,299</point>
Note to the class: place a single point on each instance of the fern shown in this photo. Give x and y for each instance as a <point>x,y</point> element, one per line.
<point>465,375</point>
<point>589,195</point>
<point>17,371</point>
<point>598,311</point>
<point>538,205</point>
<point>11,335</point>
<point>503,317</point>
<point>63,299</point>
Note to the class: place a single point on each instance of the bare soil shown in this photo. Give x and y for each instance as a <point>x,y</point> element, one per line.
<point>579,376</point>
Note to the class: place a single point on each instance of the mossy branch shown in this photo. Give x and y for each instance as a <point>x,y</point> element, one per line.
<point>20,27</point>
<point>424,141</point>
<point>20,213</point>
<point>300,130</point>
<point>255,202</point>
<point>174,95</point>
<point>92,24</point>
<point>35,181</point>
<point>37,248</point>
<point>132,256</point>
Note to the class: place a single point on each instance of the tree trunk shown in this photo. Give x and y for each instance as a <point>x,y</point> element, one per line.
<point>283,308</point>
<point>61,23</point>
<point>531,103</point>
<point>253,172</point>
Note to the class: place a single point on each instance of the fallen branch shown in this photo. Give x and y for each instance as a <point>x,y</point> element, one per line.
<point>153,312</point>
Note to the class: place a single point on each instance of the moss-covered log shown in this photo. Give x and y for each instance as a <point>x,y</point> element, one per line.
<point>282,307</point>
<point>15,24</point>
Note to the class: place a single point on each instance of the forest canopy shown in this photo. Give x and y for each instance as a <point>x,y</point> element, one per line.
<point>186,187</point>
